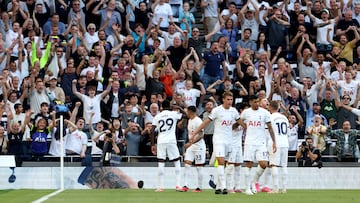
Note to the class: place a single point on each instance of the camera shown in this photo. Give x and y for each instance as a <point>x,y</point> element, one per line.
<point>109,135</point>
<point>304,144</point>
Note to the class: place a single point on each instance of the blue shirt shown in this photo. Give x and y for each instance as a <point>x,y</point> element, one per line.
<point>213,63</point>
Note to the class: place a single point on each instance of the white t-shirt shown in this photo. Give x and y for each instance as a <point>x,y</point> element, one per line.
<point>256,121</point>
<point>91,105</point>
<point>293,138</point>
<point>140,77</point>
<point>280,125</point>
<point>165,125</point>
<point>326,65</point>
<point>162,43</point>
<point>91,39</point>
<point>190,96</point>
<point>162,11</point>
<point>75,140</point>
<point>223,122</point>
<point>193,124</point>
<point>237,135</point>
<point>321,36</point>
<point>348,89</point>
<point>169,38</point>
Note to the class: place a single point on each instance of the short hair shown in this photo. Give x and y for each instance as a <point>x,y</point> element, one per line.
<point>227,93</point>
<point>253,97</point>
<point>248,29</point>
<point>192,109</point>
<point>92,88</point>
<point>274,105</point>
<point>16,106</point>
<point>44,104</point>
<point>165,104</point>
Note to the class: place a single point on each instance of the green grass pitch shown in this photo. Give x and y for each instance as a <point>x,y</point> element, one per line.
<point>170,196</point>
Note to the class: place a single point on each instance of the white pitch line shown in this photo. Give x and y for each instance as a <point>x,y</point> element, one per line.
<point>46,197</point>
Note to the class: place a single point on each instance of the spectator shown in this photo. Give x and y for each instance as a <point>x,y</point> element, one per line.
<point>109,16</point>
<point>229,30</point>
<point>54,92</point>
<point>246,45</point>
<point>322,25</point>
<point>111,151</point>
<point>317,131</point>
<point>91,35</point>
<point>295,123</point>
<point>277,27</point>
<point>186,18</point>
<point>3,141</point>
<point>76,140</point>
<point>37,96</point>
<point>177,52</point>
<point>163,14</point>
<point>346,44</point>
<point>91,102</point>
<point>212,61</point>
<point>133,137</point>
<point>39,132</point>
<point>346,144</point>
<point>197,41</point>
<point>16,135</point>
<point>308,155</point>
<point>54,21</point>
<point>249,19</point>
<point>210,14</point>
<point>327,103</point>
<point>75,13</point>
<point>145,143</point>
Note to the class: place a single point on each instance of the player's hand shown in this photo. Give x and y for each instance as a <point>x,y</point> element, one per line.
<point>274,147</point>
<point>187,145</point>
<point>153,150</point>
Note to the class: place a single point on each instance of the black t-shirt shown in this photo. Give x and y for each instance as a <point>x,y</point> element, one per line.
<point>343,25</point>
<point>141,17</point>
<point>176,56</point>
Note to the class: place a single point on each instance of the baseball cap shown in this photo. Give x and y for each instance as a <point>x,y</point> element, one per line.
<point>325,10</point>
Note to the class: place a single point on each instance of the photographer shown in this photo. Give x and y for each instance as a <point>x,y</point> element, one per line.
<point>307,155</point>
<point>111,151</point>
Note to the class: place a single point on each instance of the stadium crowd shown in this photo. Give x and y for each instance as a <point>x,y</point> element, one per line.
<point>107,66</point>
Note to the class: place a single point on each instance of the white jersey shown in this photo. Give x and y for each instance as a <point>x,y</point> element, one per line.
<point>255,121</point>
<point>193,124</point>
<point>75,140</point>
<point>237,135</point>
<point>165,125</point>
<point>348,89</point>
<point>293,138</point>
<point>190,96</point>
<point>223,121</point>
<point>280,125</point>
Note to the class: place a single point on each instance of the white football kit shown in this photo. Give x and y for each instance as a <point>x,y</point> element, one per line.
<point>280,125</point>
<point>165,125</point>
<point>223,122</point>
<point>197,151</point>
<point>255,141</point>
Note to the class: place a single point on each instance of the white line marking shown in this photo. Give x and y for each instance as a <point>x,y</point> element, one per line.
<point>46,197</point>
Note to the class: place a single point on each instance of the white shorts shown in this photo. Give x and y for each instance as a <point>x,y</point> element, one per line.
<point>256,153</point>
<point>280,157</point>
<point>236,155</point>
<point>195,153</point>
<point>222,150</point>
<point>169,150</point>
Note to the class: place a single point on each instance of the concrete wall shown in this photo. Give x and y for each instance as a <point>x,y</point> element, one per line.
<point>298,178</point>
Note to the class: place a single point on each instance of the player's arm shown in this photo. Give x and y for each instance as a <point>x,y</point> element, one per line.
<point>272,135</point>
<point>239,122</point>
<point>152,140</point>
<point>202,126</point>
